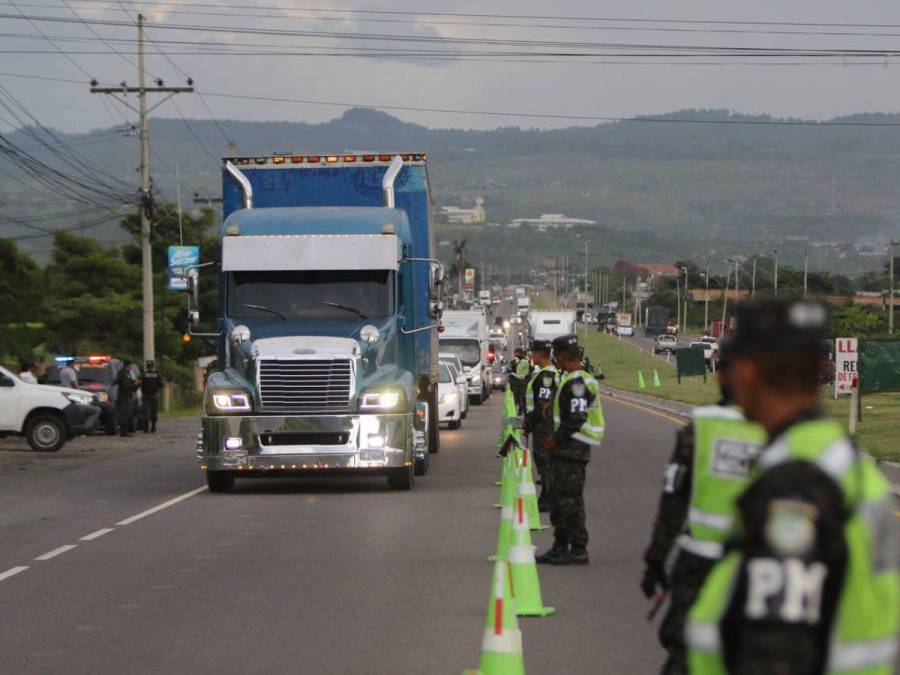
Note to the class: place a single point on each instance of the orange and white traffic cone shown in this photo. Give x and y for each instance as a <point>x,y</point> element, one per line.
<point>527,587</point>
<point>501,647</point>
<point>528,492</point>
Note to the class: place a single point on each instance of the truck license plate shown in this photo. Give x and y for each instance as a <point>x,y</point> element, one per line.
<point>371,455</point>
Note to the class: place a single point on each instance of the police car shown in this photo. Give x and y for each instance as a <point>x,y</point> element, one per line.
<point>96,375</point>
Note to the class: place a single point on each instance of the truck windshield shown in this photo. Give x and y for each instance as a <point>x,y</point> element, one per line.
<point>468,351</point>
<point>303,294</point>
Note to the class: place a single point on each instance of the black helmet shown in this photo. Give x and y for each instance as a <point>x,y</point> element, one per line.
<point>543,346</point>
<point>567,344</point>
<point>779,324</point>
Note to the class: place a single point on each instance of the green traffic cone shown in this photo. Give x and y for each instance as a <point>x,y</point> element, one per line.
<point>501,647</point>
<point>641,384</point>
<point>656,382</point>
<point>526,586</point>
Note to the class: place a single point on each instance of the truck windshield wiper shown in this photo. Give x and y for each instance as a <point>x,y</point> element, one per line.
<point>267,309</point>
<point>345,308</point>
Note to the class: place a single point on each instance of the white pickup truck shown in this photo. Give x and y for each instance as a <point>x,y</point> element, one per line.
<point>46,416</point>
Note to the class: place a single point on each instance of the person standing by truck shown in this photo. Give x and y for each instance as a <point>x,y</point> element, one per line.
<point>125,399</point>
<point>151,386</point>
<point>519,373</point>
<point>539,414</point>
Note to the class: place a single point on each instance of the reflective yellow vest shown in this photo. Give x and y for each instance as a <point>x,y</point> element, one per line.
<point>529,393</point>
<point>864,636</point>
<point>594,427</point>
<point>725,447</point>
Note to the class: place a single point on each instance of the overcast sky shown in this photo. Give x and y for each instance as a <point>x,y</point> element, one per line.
<point>816,91</point>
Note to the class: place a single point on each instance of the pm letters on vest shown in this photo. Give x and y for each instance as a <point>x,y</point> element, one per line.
<point>788,590</point>
<point>731,458</point>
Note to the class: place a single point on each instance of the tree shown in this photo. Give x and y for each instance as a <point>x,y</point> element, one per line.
<point>459,252</point>
<point>21,296</point>
<point>856,321</point>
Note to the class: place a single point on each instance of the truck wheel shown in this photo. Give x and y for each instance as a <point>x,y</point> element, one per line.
<point>45,432</point>
<point>220,481</point>
<point>401,478</point>
<point>422,465</point>
<point>477,400</point>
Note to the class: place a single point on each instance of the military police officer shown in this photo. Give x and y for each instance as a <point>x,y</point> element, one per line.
<point>151,386</point>
<point>126,386</point>
<point>810,581</point>
<point>578,427</point>
<point>539,413</point>
<point>709,468</point>
<point>519,373</point>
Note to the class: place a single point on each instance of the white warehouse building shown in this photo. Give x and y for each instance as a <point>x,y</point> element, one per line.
<point>549,221</point>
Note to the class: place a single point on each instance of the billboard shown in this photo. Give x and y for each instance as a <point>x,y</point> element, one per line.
<point>469,279</point>
<point>846,359</point>
<point>179,258</point>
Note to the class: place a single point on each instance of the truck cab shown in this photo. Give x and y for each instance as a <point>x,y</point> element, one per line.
<point>328,296</point>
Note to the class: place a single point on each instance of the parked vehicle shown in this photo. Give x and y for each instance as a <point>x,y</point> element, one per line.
<point>96,375</point>
<point>45,415</point>
<point>708,351</point>
<point>449,407</point>
<point>499,378</point>
<point>462,382</point>
<point>329,309</point>
<point>624,327</point>
<point>665,344</point>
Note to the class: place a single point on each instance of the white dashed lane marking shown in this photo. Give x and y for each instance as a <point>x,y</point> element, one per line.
<point>55,552</point>
<point>160,507</point>
<point>12,571</point>
<point>97,534</point>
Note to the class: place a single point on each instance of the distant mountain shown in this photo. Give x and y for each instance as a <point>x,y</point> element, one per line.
<point>722,182</point>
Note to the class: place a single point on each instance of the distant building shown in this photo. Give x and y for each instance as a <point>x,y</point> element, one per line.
<point>549,221</point>
<point>455,214</point>
<point>649,272</point>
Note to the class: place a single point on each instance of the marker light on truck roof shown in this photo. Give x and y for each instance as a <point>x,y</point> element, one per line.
<point>278,159</point>
<point>331,159</point>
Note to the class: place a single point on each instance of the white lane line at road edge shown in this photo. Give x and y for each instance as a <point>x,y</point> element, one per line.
<point>12,571</point>
<point>97,534</point>
<point>160,507</point>
<point>57,551</point>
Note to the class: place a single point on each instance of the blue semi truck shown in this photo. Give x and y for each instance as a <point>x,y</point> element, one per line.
<point>329,304</point>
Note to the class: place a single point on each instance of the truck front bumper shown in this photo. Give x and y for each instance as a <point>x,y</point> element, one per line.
<point>299,443</point>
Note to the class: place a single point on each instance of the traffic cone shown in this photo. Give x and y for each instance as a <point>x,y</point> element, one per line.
<point>501,648</point>
<point>508,481</point>
<point>507,501</point>
<point>641,384</point>
<point>656,382</point>
<point>528,492</point>
<point>527,587</point>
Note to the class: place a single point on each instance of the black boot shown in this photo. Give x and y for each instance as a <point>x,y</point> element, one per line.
<point>577,556</point>
<point>557,551</point>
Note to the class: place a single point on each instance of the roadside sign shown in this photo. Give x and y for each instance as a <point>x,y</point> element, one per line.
<point>690,362</point>
<point>469,279</point>
<point>846,359</point>
<point>180,258</point>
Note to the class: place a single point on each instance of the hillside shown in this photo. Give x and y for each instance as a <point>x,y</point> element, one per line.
<point>655,190</point>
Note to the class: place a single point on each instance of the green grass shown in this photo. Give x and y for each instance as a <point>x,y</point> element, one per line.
<point>878,433</point>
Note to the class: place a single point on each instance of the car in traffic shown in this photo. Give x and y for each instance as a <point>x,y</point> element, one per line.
<point>665,344</point>
<point>708,352</point>
<point>453,363</point>
<point>96,375</point>
<point>45,415</point>
<point>449,406</point>
<point>499,378</point>
<point>625,330</point>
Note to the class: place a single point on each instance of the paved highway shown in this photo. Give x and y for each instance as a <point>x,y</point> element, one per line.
<point>312,575</point>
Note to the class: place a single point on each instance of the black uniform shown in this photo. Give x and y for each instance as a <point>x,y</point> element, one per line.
<point>689,571</point>
<point>518,384</point>
<point>570,459</point>
<point>125,402</point>
<point>539,423</point>
<point>151,386</point>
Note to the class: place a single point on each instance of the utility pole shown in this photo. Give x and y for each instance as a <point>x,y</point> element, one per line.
<point>585,265</point>
<point>891,273</point>
<point>677,301</point>
<point>706,303</point>
<point>805,270</point>
<point>725,301</point>
<point>146,198</point>
<point>753,280</point>
<point>684,314</point>
<point>775,281</point>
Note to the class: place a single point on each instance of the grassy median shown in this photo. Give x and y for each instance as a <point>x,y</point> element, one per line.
<point>878,432</point>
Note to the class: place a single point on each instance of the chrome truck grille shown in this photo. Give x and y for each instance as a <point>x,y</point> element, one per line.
<point>300,385</point>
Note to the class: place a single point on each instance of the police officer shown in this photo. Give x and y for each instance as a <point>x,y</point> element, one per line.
<point>125,399</point>
<point>708,470</point>
<point>151,385</point>
<point>810,581</point>
<point>539,397</point>
<point>519,373</point>
<point>578,427</point>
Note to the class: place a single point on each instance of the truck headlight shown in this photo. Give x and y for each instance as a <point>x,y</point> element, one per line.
<point>230,401</point>
<point>79,399</point>
<point>383,399</point>
<point>369,333</point>
<point>449,397</point>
